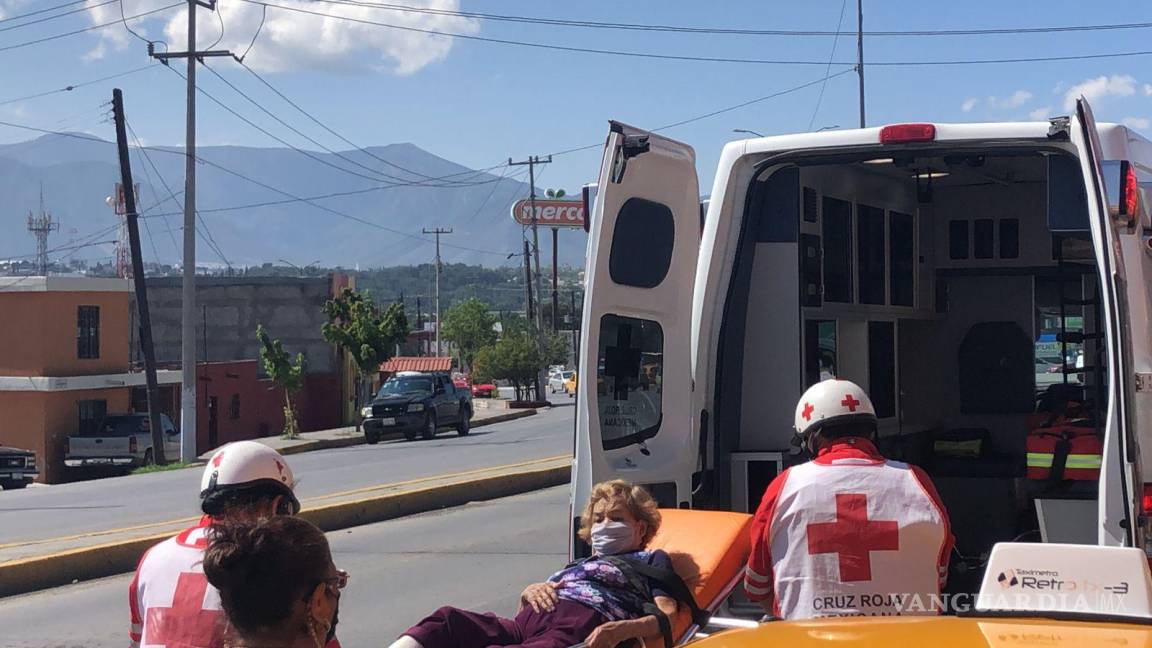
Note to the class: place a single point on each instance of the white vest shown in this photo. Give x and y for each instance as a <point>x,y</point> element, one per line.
<point>173,606</point>
<point>854,537</point>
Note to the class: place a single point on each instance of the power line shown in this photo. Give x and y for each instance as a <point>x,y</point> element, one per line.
<point>60,15</point>
<point>157,201</point>
<point>338,135</point>
<point>75,86</point>
<point>305,136</point>
<point>88,29</point>
<point>207,235</point>
<point>729,30</point>
<point>702,59</point>
<point>828,70</point>
<point>44,10</point>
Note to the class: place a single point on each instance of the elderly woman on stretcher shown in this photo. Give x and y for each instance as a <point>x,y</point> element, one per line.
<point>602,601</point>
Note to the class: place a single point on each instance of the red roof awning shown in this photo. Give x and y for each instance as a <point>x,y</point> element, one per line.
<point>433,363</point>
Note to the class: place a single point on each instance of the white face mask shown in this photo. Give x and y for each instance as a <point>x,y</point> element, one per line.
<point>610,537</point>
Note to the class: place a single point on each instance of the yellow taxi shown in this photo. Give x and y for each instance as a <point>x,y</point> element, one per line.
<point>570,386</point>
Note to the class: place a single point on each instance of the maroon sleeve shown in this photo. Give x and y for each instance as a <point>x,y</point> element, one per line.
<point>758,575</point>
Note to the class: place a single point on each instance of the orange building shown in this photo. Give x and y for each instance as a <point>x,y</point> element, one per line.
<point>64,361</point>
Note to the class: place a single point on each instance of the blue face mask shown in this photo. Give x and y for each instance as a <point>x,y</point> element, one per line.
<point>610,538</point>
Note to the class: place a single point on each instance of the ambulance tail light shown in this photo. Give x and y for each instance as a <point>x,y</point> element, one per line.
<point>907,133</point>
<point>1146,509</point>
<point>1129,190</point>
<point>132,447</point>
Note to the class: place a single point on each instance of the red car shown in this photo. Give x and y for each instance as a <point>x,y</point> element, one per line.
<point>487,390</point>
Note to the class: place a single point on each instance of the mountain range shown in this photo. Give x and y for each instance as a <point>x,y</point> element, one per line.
<point>376,225</point>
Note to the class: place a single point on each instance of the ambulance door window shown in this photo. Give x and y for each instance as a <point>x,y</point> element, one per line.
<point>837,231</point>
<point>819,351</point>
<point>629,380</point>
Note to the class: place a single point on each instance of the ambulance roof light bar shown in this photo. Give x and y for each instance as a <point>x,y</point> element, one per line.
<point>907,133</point>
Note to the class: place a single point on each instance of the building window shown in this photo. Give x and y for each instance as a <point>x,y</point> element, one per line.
<point>234,407</point>
<point>88,332</point>
<point>91,413</point>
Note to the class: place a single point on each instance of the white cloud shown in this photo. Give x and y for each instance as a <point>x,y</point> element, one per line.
<point>1117,85</point>
<point>1148,89</point>
<point>295,41</point>
<point>1041,114</point>
<point>1018,98</point>
<point>1139,123</point>
<point>969,104</point>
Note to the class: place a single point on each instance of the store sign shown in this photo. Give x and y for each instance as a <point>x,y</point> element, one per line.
<point>550,213</point>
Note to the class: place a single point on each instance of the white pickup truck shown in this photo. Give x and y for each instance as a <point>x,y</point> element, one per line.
<point>123,440</point>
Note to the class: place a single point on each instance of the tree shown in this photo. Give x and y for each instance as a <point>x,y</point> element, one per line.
<point>356,325</point>
<point>469,326</point>
<point>286,373</point>
<point>556,349</point>
<point>514,358</point>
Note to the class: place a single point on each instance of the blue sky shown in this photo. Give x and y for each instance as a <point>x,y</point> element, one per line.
<point>479,103</point>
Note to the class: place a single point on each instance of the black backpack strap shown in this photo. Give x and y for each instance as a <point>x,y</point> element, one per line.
<point>669,581</point>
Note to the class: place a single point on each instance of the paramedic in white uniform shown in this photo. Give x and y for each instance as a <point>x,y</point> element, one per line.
<point>848,533</point>
<point>170,599</point>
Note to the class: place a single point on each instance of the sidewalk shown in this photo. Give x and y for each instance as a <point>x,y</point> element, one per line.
<point>343,437</point>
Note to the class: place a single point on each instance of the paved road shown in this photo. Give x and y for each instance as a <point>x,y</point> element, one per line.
<point>115,503</point>
<point>478,556</point>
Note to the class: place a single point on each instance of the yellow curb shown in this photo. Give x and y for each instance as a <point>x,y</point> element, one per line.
<point>43,572</point>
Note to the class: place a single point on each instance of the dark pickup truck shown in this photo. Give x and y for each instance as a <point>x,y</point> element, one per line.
<point>17,467</point>
<point>417,403</point>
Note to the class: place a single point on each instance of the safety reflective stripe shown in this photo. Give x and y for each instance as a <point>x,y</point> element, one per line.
<point>752,575</point>
<point>1084,461</point>
<point>757,591</point>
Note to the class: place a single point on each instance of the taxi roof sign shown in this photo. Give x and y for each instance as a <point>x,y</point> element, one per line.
<point>1067,579</point>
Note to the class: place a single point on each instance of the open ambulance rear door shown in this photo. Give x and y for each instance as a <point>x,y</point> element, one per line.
<point>1120,483</point>
<point>633,417</point>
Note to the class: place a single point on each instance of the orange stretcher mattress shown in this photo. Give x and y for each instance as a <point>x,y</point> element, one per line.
<point>708,550</point>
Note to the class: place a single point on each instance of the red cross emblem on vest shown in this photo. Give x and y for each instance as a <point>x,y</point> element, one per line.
<point>186,623</point>
<point>852,537</point>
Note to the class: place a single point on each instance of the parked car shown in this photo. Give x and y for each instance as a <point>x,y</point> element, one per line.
<point>17,468</point>
<point>556,381</point>
<point>413,402</point>
<point>485,390</point>
<point>123,440</point>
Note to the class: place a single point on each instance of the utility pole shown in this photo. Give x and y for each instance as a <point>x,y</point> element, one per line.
<point>437,231</point>
<point>860,54</point>
<point>153,388</point>
<point>528,309</point>
<point>555,294</point>
<point>188,292</point>
<point>531,162</point>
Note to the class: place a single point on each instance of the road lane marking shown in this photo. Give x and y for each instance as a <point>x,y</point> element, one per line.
<point>366,489</point>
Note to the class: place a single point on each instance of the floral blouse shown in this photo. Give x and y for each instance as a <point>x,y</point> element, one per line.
<point>601,585</point>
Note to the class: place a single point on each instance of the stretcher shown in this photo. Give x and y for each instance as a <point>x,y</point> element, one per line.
<point>709,550</point>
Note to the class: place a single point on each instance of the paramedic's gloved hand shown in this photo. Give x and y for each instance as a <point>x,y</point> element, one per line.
<point>541,597</point>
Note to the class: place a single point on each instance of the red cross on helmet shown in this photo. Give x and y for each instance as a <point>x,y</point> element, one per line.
<point>245,464</point>
<point>831,400</point>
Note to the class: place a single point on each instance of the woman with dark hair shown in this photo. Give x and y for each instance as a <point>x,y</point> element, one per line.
<point>277,583</point>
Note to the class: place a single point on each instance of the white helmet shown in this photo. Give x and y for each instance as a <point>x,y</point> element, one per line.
<point>831,400</point>
<point>244,464</point>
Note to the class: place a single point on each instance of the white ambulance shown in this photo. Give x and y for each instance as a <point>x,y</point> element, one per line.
<point>923,261</point>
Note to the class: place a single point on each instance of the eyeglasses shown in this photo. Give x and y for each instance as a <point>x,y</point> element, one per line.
<point>339,581</point>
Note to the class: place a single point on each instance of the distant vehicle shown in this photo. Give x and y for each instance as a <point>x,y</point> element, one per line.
<point>17,468</point>
<point>556,381</point>
<point>123,440</point>
<point>570,385</point>
<point>461,381</point>
<point>485,390</point>
<point>413,402</point>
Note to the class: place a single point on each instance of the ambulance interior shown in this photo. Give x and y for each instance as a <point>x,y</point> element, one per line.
<point>958,289</point>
